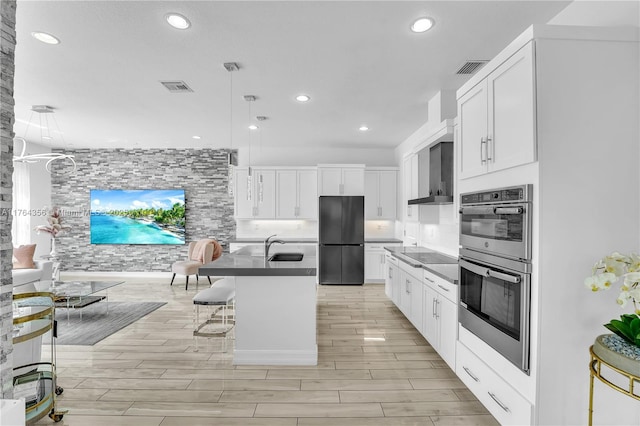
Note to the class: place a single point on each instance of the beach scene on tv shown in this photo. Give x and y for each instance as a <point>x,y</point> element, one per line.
<point>139,216</point>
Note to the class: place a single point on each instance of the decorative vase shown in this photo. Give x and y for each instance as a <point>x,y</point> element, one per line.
<point>617,352</point>
<point>53,252</point>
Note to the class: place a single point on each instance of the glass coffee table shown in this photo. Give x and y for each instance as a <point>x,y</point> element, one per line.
<point>77,294</point>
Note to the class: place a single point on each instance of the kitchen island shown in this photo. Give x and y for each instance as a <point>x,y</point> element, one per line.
<point>275,305</point>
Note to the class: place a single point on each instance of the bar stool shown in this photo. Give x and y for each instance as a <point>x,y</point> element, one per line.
<point>220,321</point>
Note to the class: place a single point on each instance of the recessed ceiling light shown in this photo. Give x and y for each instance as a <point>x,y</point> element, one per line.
<point>303,98</point>
<point>44,37</point>
<point>195,137</point>
<point>421,25</point>
<point>177,21</point>
<point>253,127</point>
<point>363,128</point>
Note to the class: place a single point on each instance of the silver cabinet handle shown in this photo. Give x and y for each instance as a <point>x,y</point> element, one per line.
<point>495,398</point>
<point>430,280</point>
<point>443,287</point>
<point>470,374</point>
<point>433,307</point>
<point>437,305</point>
<point>483,141</point>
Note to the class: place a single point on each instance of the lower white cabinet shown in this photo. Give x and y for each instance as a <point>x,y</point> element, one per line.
<point>503,401</point>
<point>411,302</point>
<point>391,278</point>
<point>374,258</point>
<point>440,319</point>
<point>375,269</point>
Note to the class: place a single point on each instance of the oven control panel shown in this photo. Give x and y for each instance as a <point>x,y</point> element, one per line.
<point>502,195</point>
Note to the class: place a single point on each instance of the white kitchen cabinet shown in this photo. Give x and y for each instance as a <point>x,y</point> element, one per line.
<point>410,187</point>
<point>374,259</point>
<point>296,194</point>
<point>504,402</point>
<point>570,130</point>
<point>261,204</point>
<point>440,319</point>
<point>411,300</point>
<point>341,180</point>
<point>392,278</point>
<point>380,188</point>
<point>497,118</point>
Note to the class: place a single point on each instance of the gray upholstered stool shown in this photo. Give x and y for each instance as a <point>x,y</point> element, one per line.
<point>220,297</point>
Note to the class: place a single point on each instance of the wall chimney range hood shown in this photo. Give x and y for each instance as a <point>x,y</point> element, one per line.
<point>440,176</point>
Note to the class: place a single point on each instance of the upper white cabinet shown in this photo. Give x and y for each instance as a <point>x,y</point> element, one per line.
<point>341,180</point>
<point>497,118</point>
<point>297,194</point>
<point>380,194</point>
<point>410,186</point>
<point>262,202</point>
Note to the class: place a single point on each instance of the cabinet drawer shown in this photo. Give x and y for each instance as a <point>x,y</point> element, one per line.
<point>503,401</point>
<point>442,286</point>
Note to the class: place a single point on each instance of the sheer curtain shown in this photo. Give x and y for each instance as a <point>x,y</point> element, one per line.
<point>21,226</point>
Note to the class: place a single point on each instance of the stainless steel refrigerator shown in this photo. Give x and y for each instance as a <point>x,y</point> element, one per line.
<point>341,240</point>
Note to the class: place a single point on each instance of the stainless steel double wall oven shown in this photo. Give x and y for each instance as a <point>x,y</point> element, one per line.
<point>495,269</point>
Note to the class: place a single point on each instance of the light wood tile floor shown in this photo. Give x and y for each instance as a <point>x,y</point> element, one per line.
<point>148,374</point>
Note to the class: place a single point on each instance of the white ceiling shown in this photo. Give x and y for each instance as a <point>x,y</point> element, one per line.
<point>357,60</point>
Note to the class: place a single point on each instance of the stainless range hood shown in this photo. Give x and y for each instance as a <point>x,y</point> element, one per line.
<point>440,176</point>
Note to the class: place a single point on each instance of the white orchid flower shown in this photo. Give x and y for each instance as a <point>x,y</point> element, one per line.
<point>599,282</point>
<point>623,298</point>
<point>631,279</point>
<point>615,264</point>
<point>634,263</point>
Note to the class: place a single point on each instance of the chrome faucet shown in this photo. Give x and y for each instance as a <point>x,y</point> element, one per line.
<point>267,245</point>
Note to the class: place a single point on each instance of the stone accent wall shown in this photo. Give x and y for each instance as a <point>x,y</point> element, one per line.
<point>7,49</point>
<point>202,173</point>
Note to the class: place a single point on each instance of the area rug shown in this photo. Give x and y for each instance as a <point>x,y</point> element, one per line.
<point>96,323</point>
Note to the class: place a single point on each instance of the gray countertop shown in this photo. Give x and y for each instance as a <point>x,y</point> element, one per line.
<point>297,240</point>
<point>442,265</point>
<point>249,261</point>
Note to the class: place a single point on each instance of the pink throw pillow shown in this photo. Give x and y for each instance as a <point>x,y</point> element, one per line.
<point>23,257</point>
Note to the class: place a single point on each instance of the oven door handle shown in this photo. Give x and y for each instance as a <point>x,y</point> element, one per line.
<point>491,210</point>
<point>477,210</point>
<point>486,272</point>
<point>504,277</point>
<point>508,210</point>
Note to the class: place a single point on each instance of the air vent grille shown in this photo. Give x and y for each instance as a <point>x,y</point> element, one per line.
<point>471,67</point>
<point>176,86</point>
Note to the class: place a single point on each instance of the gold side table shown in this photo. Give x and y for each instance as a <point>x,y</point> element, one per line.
<point>617,364</point>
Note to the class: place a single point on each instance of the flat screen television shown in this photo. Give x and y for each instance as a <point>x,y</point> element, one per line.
<point>137,216</point>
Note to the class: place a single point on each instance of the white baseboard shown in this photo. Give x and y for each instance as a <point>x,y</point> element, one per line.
<point>275,357</point>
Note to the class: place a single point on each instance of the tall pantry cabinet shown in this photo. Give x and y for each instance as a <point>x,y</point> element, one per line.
<point>565,118</point>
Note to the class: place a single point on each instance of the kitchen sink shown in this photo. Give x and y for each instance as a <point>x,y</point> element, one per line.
<point>286,257</point>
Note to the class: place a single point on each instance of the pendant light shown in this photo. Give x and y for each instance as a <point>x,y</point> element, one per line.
<point>250,99</point>
<point>232,158</point>
<point>45,134</point>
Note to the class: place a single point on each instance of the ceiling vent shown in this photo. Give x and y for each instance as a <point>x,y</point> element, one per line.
<point>176,86</point>
<point>471,67</point>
